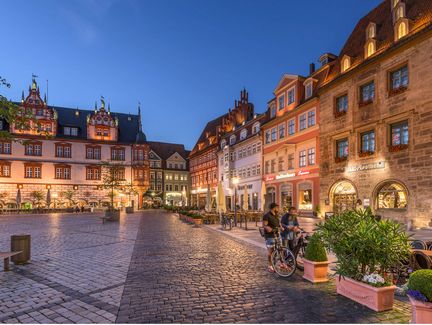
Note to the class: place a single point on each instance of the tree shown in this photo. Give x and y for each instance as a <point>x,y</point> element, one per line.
<point>36,197</point>
<point>3,197</point>
<point>69,196</point>
<point>113,179</point>
<point>130,190</point>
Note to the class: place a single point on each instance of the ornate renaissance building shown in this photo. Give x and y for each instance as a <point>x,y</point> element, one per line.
<point>376,116</point>
<point>62,149</point>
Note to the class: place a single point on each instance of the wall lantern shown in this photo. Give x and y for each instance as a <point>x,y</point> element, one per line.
<point>48,187</point>
<point>75,187</point>
<point>20,186</point>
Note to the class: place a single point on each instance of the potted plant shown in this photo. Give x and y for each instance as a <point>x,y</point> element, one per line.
<point>420,295</point>
<point>113,181</point>
<point>366,250</point>
<point>315,261</point>
<point>197,219</point>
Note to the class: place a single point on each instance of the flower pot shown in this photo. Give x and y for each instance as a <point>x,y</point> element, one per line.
<point>129,210</point>
<point>315,272</point>
<point>197,222</point>
<point>112,215</point>
<point>421,311</point>
<point>378,299</point>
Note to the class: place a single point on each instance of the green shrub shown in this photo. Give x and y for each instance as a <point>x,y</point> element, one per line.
<point>315,250</point>
<point>421,281</point>
<point>364,245</point>
<point>197,216</point>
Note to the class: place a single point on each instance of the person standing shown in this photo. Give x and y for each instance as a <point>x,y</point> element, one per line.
<point>271,223</point>
<point>290,226</point>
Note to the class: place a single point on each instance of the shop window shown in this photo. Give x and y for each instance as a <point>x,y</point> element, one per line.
<point>367,143</point>
<point>341,105</point>
<point>305,196</point>
<point>392,195</point>
<point>399,80</point>
<point>367,93</point>
<point>286,197</point>
<point>399,136</point>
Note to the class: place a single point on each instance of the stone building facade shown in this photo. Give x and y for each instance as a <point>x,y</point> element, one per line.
<point>62,149</point>
<point>203,157</point>
<point>376,116</point>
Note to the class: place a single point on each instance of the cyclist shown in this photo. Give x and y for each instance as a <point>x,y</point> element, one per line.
<point>270,223</point>
<point>290,226</point>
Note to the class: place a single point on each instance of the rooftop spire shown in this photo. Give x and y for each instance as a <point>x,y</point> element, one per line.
<point>109,108</point>
<point>22,96</point>
<point>95,108</point>
<point>103,103</point>
<point>139,116</point>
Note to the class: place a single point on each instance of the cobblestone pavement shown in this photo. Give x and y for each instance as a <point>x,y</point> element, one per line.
<point>179,273</point>
<point>151,267</point>
<point>77,272</point>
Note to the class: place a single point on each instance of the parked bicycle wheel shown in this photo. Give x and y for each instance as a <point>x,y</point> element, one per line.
<point>283,261</point>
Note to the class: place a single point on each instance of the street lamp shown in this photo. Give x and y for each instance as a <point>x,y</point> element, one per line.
<point>183,197</point>
<point>235,181</point>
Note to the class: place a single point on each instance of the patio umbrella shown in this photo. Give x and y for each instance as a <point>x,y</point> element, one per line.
<point>263,195</point>
<point>245,199</point>
<point>18,199</point>
<point>48,198</point>
<point>208,200</point>
<point>221,204</point>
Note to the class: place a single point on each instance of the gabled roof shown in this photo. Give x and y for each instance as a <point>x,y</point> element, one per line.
<point>210,129</point>
<point>285,80</point>
<point>166,150</point>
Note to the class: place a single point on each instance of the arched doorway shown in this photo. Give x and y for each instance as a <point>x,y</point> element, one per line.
<point>270,197</point>
<point>344,196</point>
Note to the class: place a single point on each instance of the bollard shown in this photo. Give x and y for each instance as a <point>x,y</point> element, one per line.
<point>21,243</point>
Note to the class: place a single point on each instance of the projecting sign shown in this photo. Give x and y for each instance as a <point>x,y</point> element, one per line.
<point>359,168</point>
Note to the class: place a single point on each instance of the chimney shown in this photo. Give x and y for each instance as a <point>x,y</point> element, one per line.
<point>311,68</point>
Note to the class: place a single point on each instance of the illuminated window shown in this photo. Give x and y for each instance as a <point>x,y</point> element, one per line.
<point>392,196</point>
<point>402,30</point>
<point>370,49</point>
<point>400,12</point>
<point>399,134</point>
<point>346,64</point>
<point>371,31</point>
<point>342,148</point>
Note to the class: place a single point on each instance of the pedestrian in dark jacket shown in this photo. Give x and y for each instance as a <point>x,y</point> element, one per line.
<point>289,226</point>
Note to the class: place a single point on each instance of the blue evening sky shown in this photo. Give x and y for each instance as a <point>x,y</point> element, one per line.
<point>184,60</point>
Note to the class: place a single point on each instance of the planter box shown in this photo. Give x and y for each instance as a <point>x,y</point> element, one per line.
<point>421,311</point>
<point>197,222</point>
<point>315,272</point>
<point>129,210</point>
<point>378,299</point>
<point>112,215</point>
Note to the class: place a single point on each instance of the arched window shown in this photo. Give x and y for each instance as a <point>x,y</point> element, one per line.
<point>346,64</point>
<point>344,196</point>
<point>255,128</point>
<point>223,144</point>
<point>371,31</point>
<point>402,30</point>
<point>400,12</point>
<point>243,134</point>
<point>370,49</point>
<point>232,139</point>
<point>392,195</point>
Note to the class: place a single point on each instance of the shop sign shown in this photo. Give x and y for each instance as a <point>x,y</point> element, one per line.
<point>303,172</point>
<point>359,168</point>
<point>285,175</point>
<point>366,202</point>
<point>269,178</point>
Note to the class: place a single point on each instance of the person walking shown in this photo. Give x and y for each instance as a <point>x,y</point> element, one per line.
<point>271,223</point>
<point>290,226</point>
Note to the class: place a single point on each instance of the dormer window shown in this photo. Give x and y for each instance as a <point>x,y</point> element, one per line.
<point>401,30</point>
<point>346,63</point>
<point>395,3</point>
<point>243,134</point>
<point>223,144</point>
<point>370,48</point>
<point>281,102</point>
<point>371,31</point>
<point>400,12</point>
<point>255,128</point>
<point>308,89</point>
<point>232,140</point>
<point>272,111</point>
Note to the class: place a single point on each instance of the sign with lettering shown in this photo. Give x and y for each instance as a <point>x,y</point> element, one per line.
<point>362,167</point>
<point>285,175</point>
<point>269,178</point>
<point>303,172</point>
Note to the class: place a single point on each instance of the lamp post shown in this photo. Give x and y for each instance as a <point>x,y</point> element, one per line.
<point>235,181</point>
<point>183,197</point>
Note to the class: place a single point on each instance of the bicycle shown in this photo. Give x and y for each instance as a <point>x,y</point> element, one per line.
<point>226,221</point>
<point>282,259</point>
<point>300,249</point>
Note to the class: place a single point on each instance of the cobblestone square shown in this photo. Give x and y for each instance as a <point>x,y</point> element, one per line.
<point>151,267</point>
